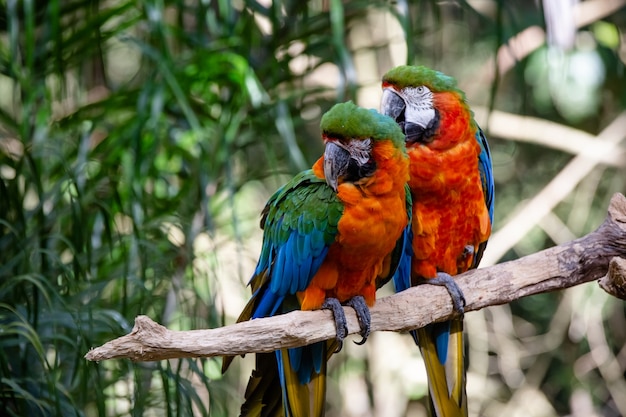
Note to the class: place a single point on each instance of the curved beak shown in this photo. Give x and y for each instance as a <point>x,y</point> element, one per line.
<point>422,124</point>
<point>393,105</point>
<point>336,161</point>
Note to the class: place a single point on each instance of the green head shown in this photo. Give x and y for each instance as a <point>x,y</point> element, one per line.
<point>412,76</point>
<point>351,133</point>
<point>417,98</point>
<point>349,121</point>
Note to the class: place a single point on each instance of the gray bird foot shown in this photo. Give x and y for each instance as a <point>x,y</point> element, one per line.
<point>446,280</point>
<point>363,315</point>
<point>341,324</point>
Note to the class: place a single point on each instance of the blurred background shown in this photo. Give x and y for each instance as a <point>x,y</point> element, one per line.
<point>139,141</point>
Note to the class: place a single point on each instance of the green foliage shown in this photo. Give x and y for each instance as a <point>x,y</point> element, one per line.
<point>140,139</point>
<point>127,131</point>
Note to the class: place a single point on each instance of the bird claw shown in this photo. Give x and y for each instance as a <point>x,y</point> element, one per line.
<point>363,315</point>
<point>341,324</point>
<point>445,280</point>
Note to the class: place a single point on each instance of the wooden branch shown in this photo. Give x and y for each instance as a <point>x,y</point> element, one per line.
<point>614,282</point>
<point>562,266</point>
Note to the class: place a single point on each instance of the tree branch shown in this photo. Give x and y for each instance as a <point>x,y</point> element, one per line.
<point>614,282</point>
<point>582,260</point>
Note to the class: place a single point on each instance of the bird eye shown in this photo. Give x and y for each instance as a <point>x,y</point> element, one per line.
<point>420,89</point>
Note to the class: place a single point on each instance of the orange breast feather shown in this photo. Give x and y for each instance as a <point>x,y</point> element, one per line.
<point>373,220</point>
<point>449,210</point>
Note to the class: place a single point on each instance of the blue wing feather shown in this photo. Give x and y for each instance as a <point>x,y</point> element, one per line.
<point>486,178</point>
<point>268,304</point>
<point>402,275</point>
<point>486,171</point>
<point>294,246</point>
<point>300,224</point>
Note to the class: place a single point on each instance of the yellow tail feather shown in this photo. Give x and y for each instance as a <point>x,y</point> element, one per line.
<point>446,382</point>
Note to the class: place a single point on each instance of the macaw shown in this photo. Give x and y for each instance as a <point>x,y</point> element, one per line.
<point>453,195</point>
<point>332,236</point>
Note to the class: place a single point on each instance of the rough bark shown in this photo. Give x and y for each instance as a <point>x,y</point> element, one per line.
<point>576,262</point>
<point>614,282</point>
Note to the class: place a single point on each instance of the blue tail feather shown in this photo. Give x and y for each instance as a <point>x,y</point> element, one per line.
<point>441,334</point>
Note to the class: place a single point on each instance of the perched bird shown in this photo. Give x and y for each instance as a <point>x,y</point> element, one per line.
<point>332,236</point>
<point>452,186</point>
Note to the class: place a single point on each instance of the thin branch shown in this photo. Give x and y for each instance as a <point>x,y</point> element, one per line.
<point>562,266</point>
<point>550,135</point>
<point>518,225</point>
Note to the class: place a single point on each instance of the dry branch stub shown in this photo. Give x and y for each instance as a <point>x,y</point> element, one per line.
<point>614,282</point>
<point>581,260</point>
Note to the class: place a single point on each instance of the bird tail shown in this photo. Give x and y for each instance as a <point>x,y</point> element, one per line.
<point>289,383</point>
<point>442,347</point>
<point>302,399</point>
<point>263,396</point>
